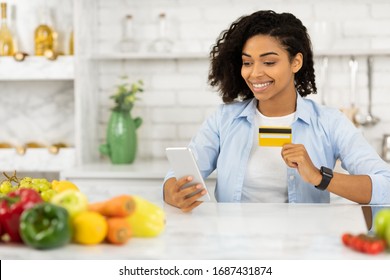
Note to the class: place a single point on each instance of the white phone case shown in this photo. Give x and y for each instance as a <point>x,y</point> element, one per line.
<point>183,163</point>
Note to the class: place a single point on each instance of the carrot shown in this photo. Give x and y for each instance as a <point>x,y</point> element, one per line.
<point>96,206</point>
<point>119,230</point>
<point>118,206</point>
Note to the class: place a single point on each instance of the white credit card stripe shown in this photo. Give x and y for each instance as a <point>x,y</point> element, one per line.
<point>268,135</point>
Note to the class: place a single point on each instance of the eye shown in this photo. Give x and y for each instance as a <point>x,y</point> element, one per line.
<point>246,63</point>
<point>269,63</point>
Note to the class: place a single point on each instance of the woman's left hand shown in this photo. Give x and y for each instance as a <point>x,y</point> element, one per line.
<point>296,156</point>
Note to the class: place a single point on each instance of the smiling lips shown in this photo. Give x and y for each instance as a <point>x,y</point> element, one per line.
<point>261,86</point>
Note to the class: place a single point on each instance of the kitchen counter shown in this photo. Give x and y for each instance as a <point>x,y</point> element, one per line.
<point>231,231</point>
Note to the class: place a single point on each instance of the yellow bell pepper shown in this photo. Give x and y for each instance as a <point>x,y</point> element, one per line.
<point>148,219</point>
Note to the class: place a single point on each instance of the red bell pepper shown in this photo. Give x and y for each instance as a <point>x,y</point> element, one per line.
<point>1,231</point>
<point>12,207</point>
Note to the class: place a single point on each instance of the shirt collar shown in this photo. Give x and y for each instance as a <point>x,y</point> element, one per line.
<point>249,110</point>
<point>303,110</point>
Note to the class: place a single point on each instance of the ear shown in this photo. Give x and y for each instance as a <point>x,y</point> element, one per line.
<point>297,62</point>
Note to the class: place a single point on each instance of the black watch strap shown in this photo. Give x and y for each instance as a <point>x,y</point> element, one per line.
<point>327,175</point>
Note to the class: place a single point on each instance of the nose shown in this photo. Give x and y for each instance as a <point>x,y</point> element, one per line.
<point>257,70</point>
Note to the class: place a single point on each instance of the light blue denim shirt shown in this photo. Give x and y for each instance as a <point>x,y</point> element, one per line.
<point>225,139</point>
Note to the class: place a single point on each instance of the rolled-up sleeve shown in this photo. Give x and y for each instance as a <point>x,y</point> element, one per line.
<point>358,157</point>
<point>380,189</point>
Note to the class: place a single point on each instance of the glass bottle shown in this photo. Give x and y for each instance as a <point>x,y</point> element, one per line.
<point>71,43</point>
<point>162,43</point>
<point>128,43</point>
<point>44,35</point>
<point>6,39</point>
<point>13,28</point>
<point>19,54</point>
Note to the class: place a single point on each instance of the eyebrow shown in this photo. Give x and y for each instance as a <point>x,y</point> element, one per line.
<point>262,55</point>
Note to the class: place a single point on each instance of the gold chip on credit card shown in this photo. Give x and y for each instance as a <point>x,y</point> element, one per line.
<point>274,136</point>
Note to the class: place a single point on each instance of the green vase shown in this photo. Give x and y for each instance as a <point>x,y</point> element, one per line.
<point>121,144</point>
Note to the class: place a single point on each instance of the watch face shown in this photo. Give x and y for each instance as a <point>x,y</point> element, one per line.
<point>327,175</point>
<point>327,172</point>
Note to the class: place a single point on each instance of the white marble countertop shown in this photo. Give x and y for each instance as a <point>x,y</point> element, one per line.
<point>231,231</point>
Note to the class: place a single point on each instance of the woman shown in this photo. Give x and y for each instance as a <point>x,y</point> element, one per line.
<point>263,68</point>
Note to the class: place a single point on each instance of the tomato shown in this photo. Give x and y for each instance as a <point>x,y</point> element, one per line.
<point>375,247</point>
<point>358,243</point>
<point>366,247</point>
<point>346,238</point>
<point>364,243</point>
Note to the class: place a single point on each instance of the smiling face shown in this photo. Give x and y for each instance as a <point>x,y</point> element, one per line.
<point>269,72</point>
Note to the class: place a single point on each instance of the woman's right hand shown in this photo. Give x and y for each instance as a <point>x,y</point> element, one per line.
<point>183,198</point>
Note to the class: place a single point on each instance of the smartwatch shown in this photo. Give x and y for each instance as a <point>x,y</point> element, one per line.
<point>327,175</point>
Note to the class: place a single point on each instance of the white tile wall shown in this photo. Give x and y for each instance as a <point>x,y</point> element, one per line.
<point>177,98</point>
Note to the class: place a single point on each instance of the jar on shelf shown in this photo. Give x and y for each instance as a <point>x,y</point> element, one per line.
<point>162,44</point>
<point>128,42</point>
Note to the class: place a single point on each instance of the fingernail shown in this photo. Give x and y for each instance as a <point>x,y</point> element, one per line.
<point>199,187</point>
<point>189,178</point>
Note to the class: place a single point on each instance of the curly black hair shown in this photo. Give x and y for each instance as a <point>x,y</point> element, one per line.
<point>226,54</point>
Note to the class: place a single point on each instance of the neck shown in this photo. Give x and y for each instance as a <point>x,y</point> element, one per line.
<point>271,108</point>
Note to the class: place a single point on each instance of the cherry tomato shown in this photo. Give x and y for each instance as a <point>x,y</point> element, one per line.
<point>364,243</point>
<point>346,238</point>
<point>367,247</point>
<point>358,244</point>
<point>375,247</point>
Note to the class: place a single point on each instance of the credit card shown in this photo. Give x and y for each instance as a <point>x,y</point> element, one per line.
<point>274,136</point>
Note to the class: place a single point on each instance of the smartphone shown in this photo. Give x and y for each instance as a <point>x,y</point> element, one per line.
<point>183,163</point>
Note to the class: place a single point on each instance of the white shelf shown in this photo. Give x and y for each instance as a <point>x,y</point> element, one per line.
<point>36,68</point>
<point>37,159</point>
<point>349,52</point>
<point>150,55</point>
<point>204,55</point>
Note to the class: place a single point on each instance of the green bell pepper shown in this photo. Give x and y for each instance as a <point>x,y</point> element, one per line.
<point>45,226</point>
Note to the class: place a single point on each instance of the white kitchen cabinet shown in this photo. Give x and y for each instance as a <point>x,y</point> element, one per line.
<point>37,70</point>
<point>35,99</point>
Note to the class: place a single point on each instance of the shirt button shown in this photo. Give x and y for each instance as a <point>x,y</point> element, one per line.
<point>291,177</point>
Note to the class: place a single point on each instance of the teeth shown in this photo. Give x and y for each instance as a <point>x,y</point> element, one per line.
<point>261,85</point>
